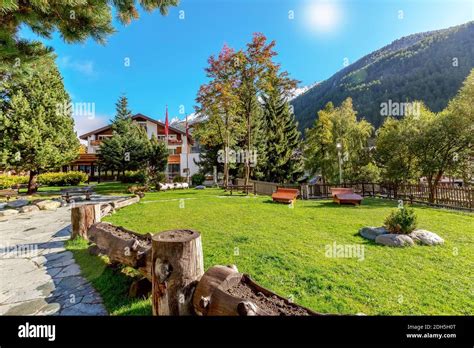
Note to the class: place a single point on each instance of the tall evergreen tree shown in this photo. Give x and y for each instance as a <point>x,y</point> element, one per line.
<point>283,162</point>
<point>157,158</point>
<point>37,128</point>
<point>129,146</point>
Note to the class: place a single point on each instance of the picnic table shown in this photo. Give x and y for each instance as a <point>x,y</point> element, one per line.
<point>68,195</point>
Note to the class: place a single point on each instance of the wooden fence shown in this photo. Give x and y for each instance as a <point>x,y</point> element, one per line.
<point>447,196</point>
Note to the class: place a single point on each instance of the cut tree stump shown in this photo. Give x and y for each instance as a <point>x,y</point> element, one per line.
<point>83,217</point>
<point>177,266</point>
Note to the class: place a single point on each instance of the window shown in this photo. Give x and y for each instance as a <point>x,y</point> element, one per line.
<point>172,151</point>
<point>103,136</point>
<point>173,168</point>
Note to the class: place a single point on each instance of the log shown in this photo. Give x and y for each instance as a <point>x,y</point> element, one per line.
<point>123,246</point>
<point>106,209</point>
<point>212,279</point>
<point>82,217</point>
<point>222,291</point>
<point>177,266</point>
<point>124,202</point>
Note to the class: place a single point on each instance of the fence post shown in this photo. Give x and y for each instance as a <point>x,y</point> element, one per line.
<point>177,265</point>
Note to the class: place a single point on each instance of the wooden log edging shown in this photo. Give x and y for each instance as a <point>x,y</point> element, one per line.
<point>173,262</point>
<point>123,246</point>
<point>223,291</point>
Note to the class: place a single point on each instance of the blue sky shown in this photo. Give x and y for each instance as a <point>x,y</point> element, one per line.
<point>168,55</point>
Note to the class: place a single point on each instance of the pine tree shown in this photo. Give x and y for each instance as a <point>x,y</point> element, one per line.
<point>37,131</point>
<point>283,160</point>
<point>157,159</point>
<point>129,146</point>
<point>74,20</point>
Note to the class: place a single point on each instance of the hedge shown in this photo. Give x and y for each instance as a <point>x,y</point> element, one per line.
<point>7,181</point>
<point>134,177</point>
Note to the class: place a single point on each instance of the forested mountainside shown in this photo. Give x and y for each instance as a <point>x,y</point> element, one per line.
<point>428,66</point>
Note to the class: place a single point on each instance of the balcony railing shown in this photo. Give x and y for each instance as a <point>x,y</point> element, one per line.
<point>95,142</point>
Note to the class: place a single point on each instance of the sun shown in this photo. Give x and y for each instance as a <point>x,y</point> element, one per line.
<point>322,16</point>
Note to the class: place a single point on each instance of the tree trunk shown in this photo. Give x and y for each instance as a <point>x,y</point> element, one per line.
<point>123,246</point>
<point>32,185</point>
<point>83,217</point>
<point>177,266</point>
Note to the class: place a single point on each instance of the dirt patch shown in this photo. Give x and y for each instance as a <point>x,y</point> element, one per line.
<point>272,305</point>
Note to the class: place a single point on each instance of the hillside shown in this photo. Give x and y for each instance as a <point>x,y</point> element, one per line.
<point>416,67</point>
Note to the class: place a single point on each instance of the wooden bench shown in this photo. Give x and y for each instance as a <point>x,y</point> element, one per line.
<point>342,195</point>
<point>9,193</point>
<point>68,195</point>
<point>245,188</point>
<point>285,195</point>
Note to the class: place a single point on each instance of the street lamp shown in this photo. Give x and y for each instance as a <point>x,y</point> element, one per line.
<point>339,147</point>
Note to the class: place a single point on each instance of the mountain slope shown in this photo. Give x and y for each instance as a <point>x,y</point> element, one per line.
<point>416,67</point>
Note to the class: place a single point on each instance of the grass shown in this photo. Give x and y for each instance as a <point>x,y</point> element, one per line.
<point>284,250</point>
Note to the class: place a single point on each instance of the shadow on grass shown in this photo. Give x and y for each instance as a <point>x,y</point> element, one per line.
<point>111,283</point>
<point>365,204</point>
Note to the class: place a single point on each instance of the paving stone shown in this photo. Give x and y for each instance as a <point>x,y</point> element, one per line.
<point>38,275</point>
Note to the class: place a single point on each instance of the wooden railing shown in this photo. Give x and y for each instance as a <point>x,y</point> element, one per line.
<point>448,196</point>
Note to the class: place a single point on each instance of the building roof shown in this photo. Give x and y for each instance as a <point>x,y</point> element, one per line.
<point>134,117</point>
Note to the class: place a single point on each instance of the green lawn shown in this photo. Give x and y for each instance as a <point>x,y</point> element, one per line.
<point>284,249</point>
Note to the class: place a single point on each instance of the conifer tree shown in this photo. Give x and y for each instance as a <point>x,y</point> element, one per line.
<point>128,148</point>
<point>37,128</point>
<point>283,160</point>
<point>74,20</point>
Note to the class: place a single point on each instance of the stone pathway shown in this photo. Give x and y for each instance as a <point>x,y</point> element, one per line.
<point>38,276</point>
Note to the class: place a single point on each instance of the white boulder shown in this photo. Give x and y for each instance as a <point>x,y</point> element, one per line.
<point>394,240</point>
<point>425,237</point>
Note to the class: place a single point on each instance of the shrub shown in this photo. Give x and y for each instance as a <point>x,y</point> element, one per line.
<point>402,220</point>
<point>179,178</point>
<point>134,177</point>
<point>62,179</point>
<point>197,179</point>
<point>7,181</point>
<point>158,178</point>
<point>135,189</point>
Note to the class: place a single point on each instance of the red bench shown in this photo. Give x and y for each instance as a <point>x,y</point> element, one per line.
<point>341,195</point>
<point>285,195</point>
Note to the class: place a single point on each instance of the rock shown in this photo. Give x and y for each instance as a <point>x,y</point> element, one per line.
<point>371,233</point>
<point>425,237</point>
<point>200,187</point>
<point>60,200</point>
<point>29,209</point>
<point>48,205</point>
<point>8,212</point>
<point>18,203</point>
<point>394,240</point>
<point>3,205</point>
